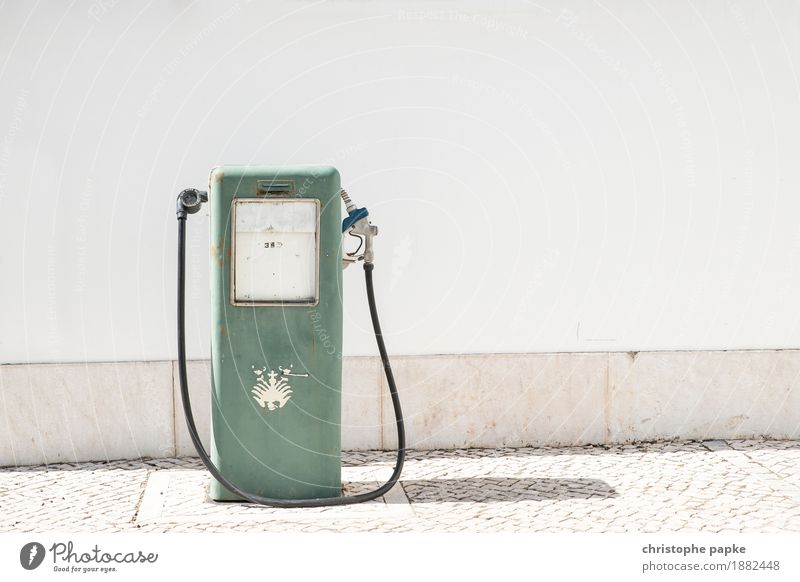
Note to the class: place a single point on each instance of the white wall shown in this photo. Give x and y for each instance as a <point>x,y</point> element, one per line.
<point>56,413</point>
<point>547,176</point>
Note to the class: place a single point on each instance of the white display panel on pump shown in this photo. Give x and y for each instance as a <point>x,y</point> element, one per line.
<point>275,247</point>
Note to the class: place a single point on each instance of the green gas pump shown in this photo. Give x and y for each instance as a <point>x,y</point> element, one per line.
<point>276,314</point>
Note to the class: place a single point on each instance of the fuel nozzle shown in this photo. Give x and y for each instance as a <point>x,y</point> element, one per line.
<point>357,225</point>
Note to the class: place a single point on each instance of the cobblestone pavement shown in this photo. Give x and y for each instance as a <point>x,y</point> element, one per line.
<point>712,486</point>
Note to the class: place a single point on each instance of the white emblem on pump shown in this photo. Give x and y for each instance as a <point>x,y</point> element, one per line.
<point>273,392</point>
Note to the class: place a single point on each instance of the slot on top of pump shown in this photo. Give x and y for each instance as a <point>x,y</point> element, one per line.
<point>275,188</point>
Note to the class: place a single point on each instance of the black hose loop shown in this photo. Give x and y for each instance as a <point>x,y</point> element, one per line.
<point>187,407</point>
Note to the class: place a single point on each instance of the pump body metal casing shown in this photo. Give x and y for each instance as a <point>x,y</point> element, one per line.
<point>276,297</point>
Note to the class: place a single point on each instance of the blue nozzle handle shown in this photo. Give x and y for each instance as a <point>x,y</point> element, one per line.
<point>354,217</point>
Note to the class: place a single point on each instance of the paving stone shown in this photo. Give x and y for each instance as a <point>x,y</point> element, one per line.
<point>730,486</point>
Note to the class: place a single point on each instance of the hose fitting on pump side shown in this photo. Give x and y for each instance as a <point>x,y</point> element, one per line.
<point>189,201</point>
<point>348,204</point>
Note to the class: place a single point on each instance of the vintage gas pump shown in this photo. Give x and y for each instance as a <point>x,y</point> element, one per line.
<point>276,291</point>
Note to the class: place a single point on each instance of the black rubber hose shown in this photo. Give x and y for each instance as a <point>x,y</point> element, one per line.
<point>187,407</point>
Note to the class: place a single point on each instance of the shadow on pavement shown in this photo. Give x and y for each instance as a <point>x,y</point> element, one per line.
<point>495,489</point>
